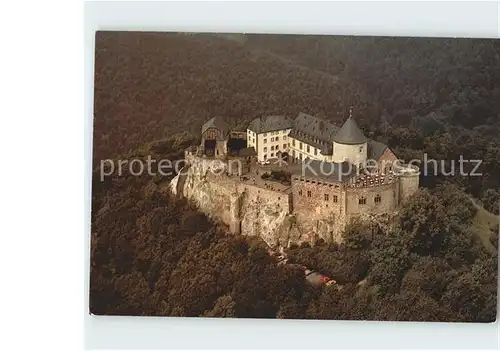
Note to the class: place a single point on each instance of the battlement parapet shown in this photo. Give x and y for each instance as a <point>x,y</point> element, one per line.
<point>407,170</point>
<point>372,180</point>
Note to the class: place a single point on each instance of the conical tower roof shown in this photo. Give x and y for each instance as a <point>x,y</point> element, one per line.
<point>350,133</point>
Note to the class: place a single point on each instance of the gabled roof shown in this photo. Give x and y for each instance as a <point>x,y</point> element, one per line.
<point>270,124</point>
<point>375,149</point>
<point>350,133</point>
<point>315,127</point>
<point>216,122</point>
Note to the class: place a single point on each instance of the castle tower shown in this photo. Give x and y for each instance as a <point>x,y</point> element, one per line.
<point>350,144</point>
<point>409,177</point>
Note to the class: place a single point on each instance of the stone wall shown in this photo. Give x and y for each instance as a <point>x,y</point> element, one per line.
<point>311,209</point>
<point>245,208</point>
<point>408,184</point>
<point>319,209</point>
<point>387,193</point>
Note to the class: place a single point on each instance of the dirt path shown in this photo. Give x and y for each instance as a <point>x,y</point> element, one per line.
<point>482,224</point>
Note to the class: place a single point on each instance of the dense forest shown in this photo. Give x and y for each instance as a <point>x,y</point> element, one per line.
<point>153,254</point>
<point>439,97</point>
<point>156,255</point>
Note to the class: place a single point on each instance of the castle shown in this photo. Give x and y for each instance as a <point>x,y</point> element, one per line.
<point>336,174</point>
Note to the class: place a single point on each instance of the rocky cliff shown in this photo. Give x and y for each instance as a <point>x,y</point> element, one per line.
<point>247,209</point>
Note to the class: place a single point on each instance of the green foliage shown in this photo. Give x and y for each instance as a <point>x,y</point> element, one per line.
<point>474,293</point>
<point>494,236</point>
<point>282,176</point>
<point>424,223</point>
<point>430,275</point>
<point>343,265</point>
<point>224,307</point>
<point>491,200</point>
<point>389,260</point>
<point>357,235</point>
<point>460,209</point>
<point>154,255</point>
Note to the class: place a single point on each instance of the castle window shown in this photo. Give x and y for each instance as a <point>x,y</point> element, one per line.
<point>378,199</point>
<point>284,146</point>
<point>265,141</point>
<point>327,197</point>
<point>284,137</point>
<point>360,149</point>
<point>293,153</point>
<point>308,193</point>
<point>300,146</point>
<point>272,139</point>
<point>272,147</point>
<point>277,139</point>
<point>272,154</point>
<point>293,142</point>
<point>300,192</point>
<point>362,200</point>
<point>335,198</point>
<point>308,148</point>
<point>315,151</point>
<point>265,149</point>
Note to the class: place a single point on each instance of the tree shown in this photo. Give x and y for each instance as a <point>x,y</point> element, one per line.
<point>224,307</point>
<point>429,275</point>
<point>474,293</point>
<point>424,222</point>
<point>389,260</point>
<point>494,236</point>
<point>357,235</point>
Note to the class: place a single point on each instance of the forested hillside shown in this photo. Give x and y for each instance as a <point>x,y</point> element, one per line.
<point>435,96</point>
<point>156,255</point>
<point>151,85</point>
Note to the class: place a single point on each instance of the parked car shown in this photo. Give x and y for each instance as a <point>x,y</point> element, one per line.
<point>324,279</point>
<point>331,282</point>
